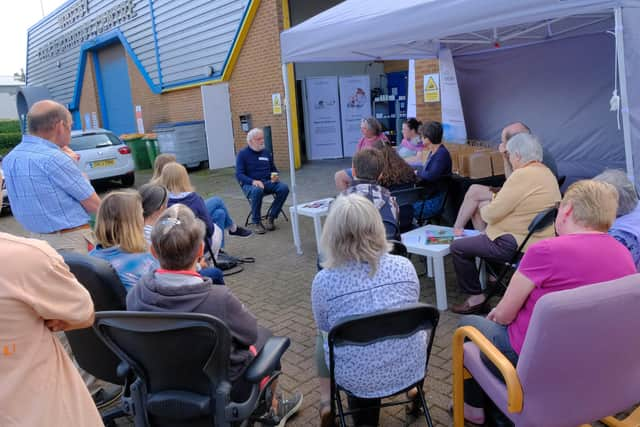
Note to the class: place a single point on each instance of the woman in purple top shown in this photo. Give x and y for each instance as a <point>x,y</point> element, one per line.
<point>582,254</point>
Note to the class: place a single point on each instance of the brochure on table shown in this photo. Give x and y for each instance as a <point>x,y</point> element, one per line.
<point>323,109</point>
<point>355,104</point>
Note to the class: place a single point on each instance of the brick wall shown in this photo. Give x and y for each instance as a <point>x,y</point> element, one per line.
<point>426,111</point>
<point>258,74</point>
<point>177,106</point>
<point>89,94</point>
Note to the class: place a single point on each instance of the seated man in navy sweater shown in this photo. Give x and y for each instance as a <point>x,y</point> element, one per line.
<point>258,175</point>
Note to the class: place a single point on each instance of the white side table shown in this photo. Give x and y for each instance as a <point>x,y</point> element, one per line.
<point>316,210</point>
<point>415,241</point>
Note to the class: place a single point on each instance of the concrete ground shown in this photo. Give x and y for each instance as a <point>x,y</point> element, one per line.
<point>277,289</point>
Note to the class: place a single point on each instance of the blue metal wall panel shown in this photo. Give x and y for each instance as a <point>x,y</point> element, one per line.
<point>115,92</point>
<point>190,36</point>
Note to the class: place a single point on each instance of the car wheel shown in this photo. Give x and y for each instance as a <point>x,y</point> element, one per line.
<point>128,180</point>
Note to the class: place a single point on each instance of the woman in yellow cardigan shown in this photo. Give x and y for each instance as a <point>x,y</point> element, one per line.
<point>529,190</point>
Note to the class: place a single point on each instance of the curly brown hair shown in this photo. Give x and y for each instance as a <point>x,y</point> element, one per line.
<point>396,170</point>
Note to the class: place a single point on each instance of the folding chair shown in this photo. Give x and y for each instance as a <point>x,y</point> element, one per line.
<point>380,326</point>
<point>399,249</point>
<point>541,221</point>
<point>268,214</point>
<point>405,199</point>
<point>182,361</point>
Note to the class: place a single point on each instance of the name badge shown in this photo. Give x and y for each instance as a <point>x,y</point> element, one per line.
<point>264,159</point>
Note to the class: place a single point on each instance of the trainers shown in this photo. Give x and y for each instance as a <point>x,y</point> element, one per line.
<point>240,232</point>
<point>106,396</point>
<point>257,228</point>
<point>270,226</point>
<point>286,409</point>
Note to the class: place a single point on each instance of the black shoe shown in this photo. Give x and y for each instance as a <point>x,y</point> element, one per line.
<point>240,232</point>
<point>107,395</point>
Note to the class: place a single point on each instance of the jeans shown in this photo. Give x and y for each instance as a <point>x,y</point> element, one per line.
<point>498,336</point>
<point>255,195</point>
<point>428,208</point>
<point>215,274</point>
<point>219,214</point>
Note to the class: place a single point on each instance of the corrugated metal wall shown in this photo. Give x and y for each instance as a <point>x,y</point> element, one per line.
<point>192,34</point>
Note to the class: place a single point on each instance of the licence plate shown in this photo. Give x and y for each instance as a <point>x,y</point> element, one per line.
<point>103,163</point>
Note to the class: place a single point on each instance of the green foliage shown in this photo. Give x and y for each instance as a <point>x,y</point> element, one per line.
<point>8,141</point>
<point>9,126</point>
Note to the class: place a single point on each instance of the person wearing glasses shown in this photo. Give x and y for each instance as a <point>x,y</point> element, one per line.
<point>49,196</point>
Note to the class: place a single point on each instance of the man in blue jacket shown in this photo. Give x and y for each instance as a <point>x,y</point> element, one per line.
<point>258,175</point>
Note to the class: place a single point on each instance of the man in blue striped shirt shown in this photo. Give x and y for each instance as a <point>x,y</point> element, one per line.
<point>49,195</point>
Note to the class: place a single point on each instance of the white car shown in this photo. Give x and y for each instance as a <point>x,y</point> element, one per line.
<point>103,155</point>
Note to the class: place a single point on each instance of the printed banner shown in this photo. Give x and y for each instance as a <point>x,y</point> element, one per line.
<point>324,117</point>
<point>355,104</point>
<point>452,116</point>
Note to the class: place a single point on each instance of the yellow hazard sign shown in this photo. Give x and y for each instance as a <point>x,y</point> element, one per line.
<point>431,88</point>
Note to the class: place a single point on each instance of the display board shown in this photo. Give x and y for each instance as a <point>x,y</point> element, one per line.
<point>323,109</point>
<point>355,104</point>
<point>452,116</point>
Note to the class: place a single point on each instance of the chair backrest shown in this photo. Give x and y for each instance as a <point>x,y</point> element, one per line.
<point>539,222</point>
<point>408,196</point>
<point>186,352</point>
<point>580,359</point>
<point>382,325</point>
<point>398,249</point>
<point>107,293</point>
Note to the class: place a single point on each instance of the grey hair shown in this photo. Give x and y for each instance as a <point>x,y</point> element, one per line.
<point>252,133</point>
<point>44,117</point>
<point>353,232</point>
<point>627,194</point>
<point>525,146</point>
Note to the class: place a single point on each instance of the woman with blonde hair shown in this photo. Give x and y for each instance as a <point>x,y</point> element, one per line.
<point>161,161</point>
<point>174,177</point>
<point>360,277</point>
<point>582,254</point>
<point>120,236</point>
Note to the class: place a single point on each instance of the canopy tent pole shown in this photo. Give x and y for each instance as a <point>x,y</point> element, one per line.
<point>292,165</point>
<point>624,97</point>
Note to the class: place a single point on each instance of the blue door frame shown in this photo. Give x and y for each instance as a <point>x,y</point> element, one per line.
<point>114,89</point>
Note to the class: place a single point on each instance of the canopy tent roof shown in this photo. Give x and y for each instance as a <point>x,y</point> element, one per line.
<point>360,30</point>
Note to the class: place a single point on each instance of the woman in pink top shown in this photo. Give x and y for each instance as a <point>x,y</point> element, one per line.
<point>582,254</point>
<point>371,130</point>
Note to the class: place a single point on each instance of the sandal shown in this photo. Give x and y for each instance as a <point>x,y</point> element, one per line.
<point>414,409</point>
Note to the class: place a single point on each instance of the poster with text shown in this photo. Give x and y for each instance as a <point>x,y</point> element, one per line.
<point>323,110</point>
<point>452,116</point>
<point>355,104</point>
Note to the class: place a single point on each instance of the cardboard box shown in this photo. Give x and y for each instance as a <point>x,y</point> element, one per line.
<point>480,165</point>
<point>497,163</point>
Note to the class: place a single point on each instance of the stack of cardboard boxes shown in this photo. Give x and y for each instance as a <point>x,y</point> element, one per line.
<point>475,161</point>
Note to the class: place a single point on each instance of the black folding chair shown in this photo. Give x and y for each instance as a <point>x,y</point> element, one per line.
<point>182,361</point>
<point>504,271</point>
<point>268,214</point>
<point>91,354</point>
<point>405,199</point>
<point>398,248</point>
<point>380,326</point>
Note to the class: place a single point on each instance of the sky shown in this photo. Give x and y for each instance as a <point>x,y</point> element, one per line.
<point>16,16</point>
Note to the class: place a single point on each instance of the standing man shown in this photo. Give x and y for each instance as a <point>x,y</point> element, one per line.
<point>49,195</point>
<point>258,175</point>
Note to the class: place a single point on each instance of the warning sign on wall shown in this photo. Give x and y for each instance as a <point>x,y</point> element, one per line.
<point>431,88</point>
